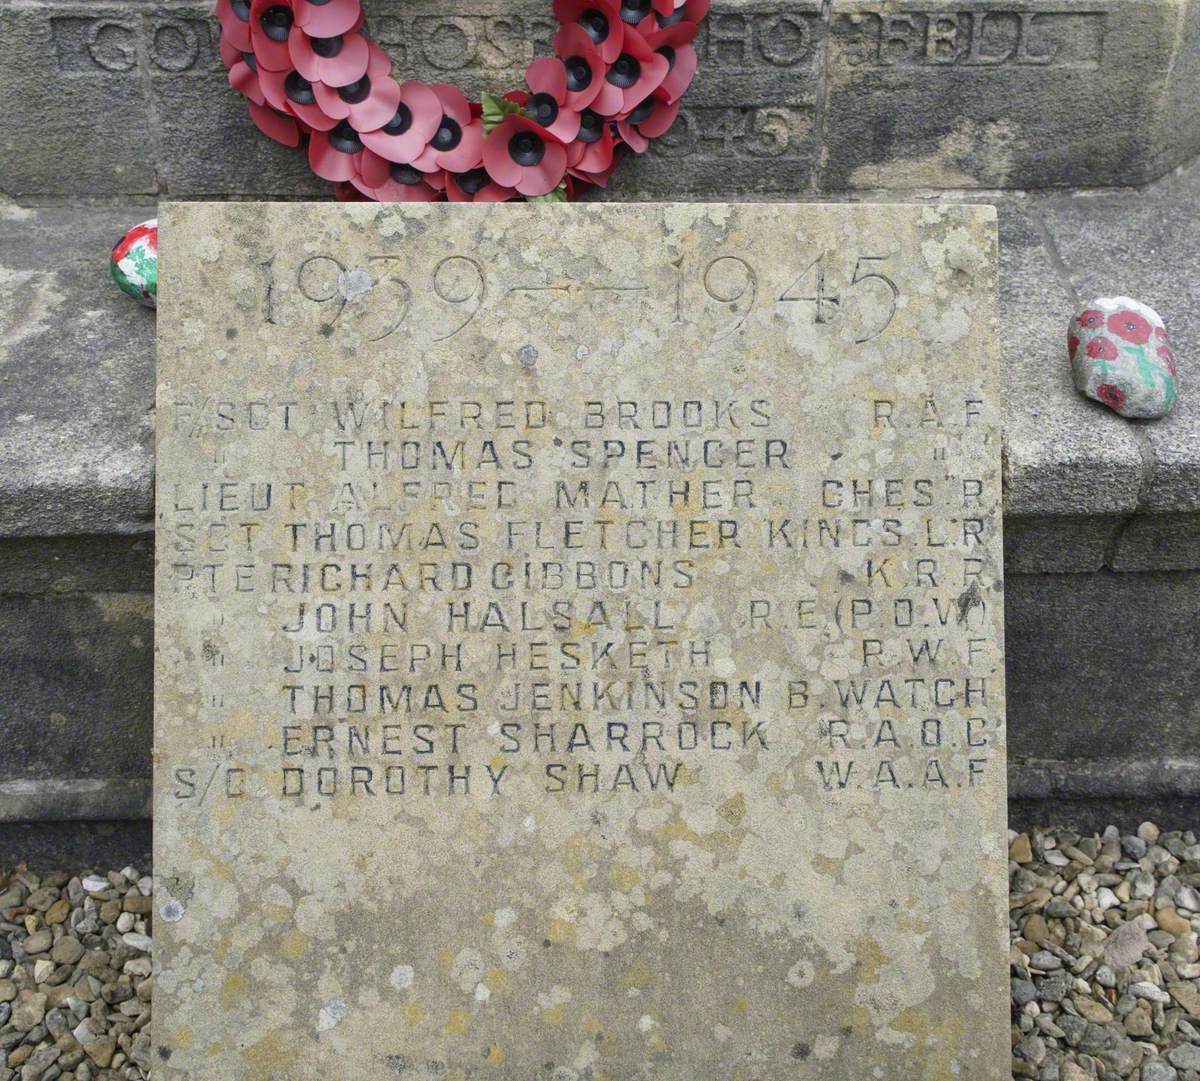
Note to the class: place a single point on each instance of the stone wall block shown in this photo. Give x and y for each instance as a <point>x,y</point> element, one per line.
<point>130,98</point>
<point>77,117</point>
<point>995,94</point>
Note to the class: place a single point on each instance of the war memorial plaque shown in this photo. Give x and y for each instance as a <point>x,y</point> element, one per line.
<point>579,644</point>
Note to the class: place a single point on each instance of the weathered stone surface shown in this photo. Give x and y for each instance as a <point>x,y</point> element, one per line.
<point>74,708</point>
<point>1143,246</point>
<point>790,97</point>
<point>1072,544</point>
<point>980,94</point>
<point>65,476</point>
<point>1152,542</point>
<point>76,364</point>
<point>1132,689</point>
<point>489,906</point>
<point>60,565</point>
<point>1060,457</point>
<point>77,118</point>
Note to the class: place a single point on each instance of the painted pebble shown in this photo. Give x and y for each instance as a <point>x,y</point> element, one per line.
<point>1121,356</point>
<point>134,262</point>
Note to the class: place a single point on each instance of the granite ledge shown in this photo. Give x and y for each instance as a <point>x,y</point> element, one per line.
<point>77,373</point>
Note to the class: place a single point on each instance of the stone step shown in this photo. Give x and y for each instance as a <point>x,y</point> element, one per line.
<point>791,96</point>
<point>1102,516</point>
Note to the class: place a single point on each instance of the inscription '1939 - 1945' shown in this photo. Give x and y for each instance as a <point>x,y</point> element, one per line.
<point>459,289</point>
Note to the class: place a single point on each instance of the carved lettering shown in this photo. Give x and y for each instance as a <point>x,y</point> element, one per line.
<point>970,39</point>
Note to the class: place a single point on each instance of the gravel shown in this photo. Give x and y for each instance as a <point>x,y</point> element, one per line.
<point>1103,958</point>
<point>75,976</point>
<point>1104,963</point>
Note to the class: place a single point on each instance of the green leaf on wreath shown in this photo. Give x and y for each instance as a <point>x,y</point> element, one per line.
<point>495,110</point>
<point>558,195</point>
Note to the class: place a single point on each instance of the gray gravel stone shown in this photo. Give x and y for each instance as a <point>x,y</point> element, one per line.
<point>1185,1057</point>
<point>1023,991</point>
<point>1157,1070</point>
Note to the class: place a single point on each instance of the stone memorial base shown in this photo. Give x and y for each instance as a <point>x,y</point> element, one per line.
<point>581,629</point>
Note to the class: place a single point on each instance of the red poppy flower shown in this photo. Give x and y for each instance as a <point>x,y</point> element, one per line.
<point>674,44</point>
<point>600,19</point>
<point>547,105</point>
<point>457,142</point>
<point>1091,319</point>
<point>1168,358</point>
<point>369,102</point>
<point>520,154</point>
<point>275,125</point>
<point>600,179</point>
<point>585,69</point>
<point>634,12</point>
<point>345,192</point>
<point>1101,349</point>
<point>408,131</point>
<point>270,27</point>
<point>692,11</point>
<point>291,93</point>
<point>234,17</point>
<point>1161,334</point>
<point>592,150</point>
<point>648,121</point>
<point>334,154</point>
<point>636,73</point>
<point>243,72</point>
<point>475,186</point>
<point>327,18</point>
<point>396,182</point>
<point>1073,345</point>
<point>1111,395</point>
<point>1130,326</point>
<point>334,61</point>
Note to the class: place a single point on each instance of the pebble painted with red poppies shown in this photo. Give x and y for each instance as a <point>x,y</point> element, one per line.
<point>1121,356</point>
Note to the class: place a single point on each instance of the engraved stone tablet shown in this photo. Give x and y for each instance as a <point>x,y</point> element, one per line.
<point>579,636</point>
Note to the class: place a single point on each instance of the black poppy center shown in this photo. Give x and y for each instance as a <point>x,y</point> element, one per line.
<point>327,47</point>
<point>250,60</point>
<point>595,22</point>
<point>277,22</point>
<point>625,71</point>
<point>579,74</point>
<point>448,135</point>
<point>526,148</point>
<point>299,89</point>
<point>591,126</point>
<point>672,19</point>
<point>474,181</point>
<point>642,112</point>
<point>405,174</point>
<point>668,54</point>
<point>241,8</point>
<point>318,3</point>
<point>634,11</point>
<point>401,122</point>
<point>542,109</point>
<point>345,138</point>
<point>353,93</point>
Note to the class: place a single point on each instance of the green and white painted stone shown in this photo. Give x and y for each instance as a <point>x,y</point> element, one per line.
<point>1121,356</point>
<point>134,262</point>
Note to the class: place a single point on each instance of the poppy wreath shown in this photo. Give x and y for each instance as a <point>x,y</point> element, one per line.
<point>310,72</point>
